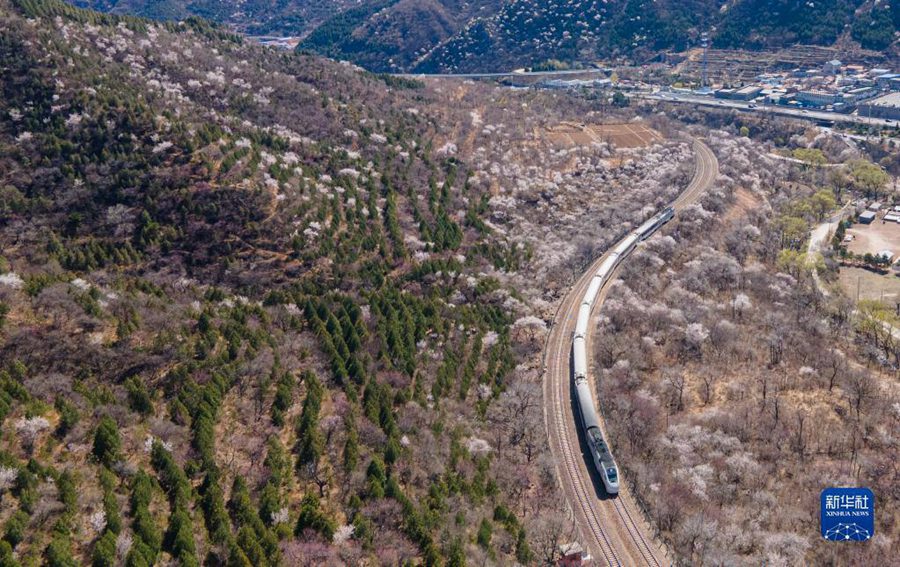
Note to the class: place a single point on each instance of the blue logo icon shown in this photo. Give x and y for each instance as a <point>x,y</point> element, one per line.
<point>848,514</point>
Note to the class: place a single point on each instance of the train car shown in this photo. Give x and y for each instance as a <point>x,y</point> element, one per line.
<point>586,405</point>
<point>591,294</point>
<point>584,316</point>
<point>648,228</point>
<point>603,460</point>
<point>600,453</point>
<point>579,359</point>
<point>627,245</point>
<point>607,267</point>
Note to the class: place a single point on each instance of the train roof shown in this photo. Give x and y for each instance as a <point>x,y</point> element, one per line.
<point>586,404</point>
<point>599,443</point>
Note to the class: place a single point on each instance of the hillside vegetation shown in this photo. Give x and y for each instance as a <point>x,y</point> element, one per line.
<point>527,32</point>
<point>282,17</point>
<point>264,308</point>
<point>733,390</point>
<point>502,35</point>
<point>245,318</point>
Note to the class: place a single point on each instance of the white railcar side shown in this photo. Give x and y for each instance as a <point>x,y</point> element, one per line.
<point>627,245</point>
<point>579,358</point>
<point>586,405</point>
<point>591,294</point>
<point>581,324</point>
<point>607,267</point>
<point>600,453</point>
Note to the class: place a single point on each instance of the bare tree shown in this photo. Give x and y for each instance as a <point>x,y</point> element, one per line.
<point>674,383</point>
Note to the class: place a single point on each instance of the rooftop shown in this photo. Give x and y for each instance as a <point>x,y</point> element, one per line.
<point>892,99</point>
<point>573,548</point>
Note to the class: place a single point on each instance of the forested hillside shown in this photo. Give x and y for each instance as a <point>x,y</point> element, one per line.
<point>281,17</point>
<point>263,308</point>
<point>733,389</point>
<point>245,314</point>
<point>527,32</point>
<point>494,35</point>
<point>391,35</point>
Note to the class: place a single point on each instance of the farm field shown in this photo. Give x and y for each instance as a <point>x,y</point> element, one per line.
<point>871,285</point>
<point>626,135</point>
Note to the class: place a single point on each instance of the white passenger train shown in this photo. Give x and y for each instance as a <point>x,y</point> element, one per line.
<point>603,459</point>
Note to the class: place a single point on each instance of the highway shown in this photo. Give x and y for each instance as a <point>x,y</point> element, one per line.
<point>613,530</point>
<point>679,97</point>
<point>498,75</point>
<point>816,115</point>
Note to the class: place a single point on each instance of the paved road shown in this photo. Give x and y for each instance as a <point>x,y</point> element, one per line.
<point>612,529</point>
<point>560,73</point>
<point>818,240</point>
<point>804,163</point>
<point>817,115</point>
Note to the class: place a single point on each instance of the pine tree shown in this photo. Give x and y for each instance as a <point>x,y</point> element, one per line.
<point>107,442</point>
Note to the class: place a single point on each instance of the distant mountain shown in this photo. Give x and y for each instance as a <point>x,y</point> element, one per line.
<point>287,17</point>
<point>491,35</point>
<point>391,35</point>
<point>528,32</point>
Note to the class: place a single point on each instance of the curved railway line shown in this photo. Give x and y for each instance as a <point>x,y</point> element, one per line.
<point>610,530</point>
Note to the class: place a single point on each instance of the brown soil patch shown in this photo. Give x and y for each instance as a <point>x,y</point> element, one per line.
<point>875,237</point>
<point>744,202</point>
<point>571,134</point>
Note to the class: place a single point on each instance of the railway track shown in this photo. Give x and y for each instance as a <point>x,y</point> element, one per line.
<point>609,530</point>
<point>637,535</point>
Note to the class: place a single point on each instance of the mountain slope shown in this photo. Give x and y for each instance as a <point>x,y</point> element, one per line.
<point>245,315</point>
<point>390,35</point>
<point>494,35</point>
<point>526,32</point>
<point>287,17</point>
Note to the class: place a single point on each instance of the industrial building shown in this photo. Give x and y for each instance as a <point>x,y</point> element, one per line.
<point>887,106</point>
<point>888,81</point>
<point>745,93</point>
<point>818,98</point>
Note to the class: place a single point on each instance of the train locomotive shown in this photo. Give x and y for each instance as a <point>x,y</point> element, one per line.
<point>600,453</point>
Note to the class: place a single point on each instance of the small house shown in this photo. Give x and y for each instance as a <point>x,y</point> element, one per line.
<point>832,67</point>
<point>867,217</point>
<point>875,206</point>
<point>891,217</point>
<point>573,555</point>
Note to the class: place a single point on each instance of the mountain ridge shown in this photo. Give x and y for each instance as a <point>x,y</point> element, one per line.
<point>501,35</point>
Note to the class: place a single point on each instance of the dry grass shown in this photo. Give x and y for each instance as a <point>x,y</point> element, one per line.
<point>870,284</point>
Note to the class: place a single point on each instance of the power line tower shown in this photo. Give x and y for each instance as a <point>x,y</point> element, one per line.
<point>704,77</point>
